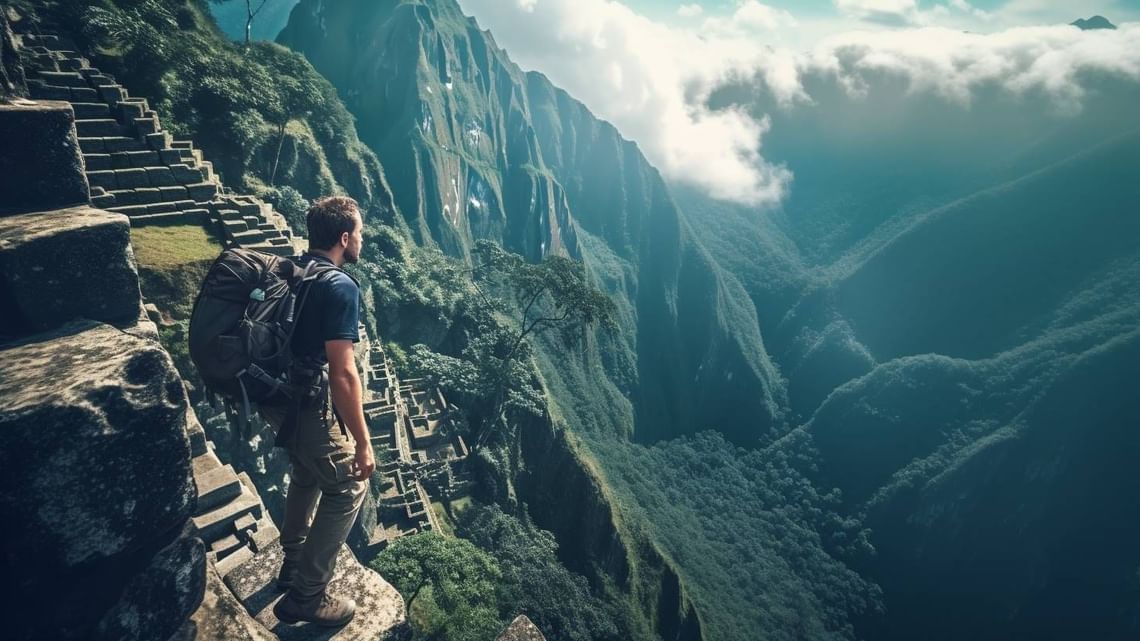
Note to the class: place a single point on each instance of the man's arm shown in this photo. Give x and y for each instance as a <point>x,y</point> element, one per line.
<point>347,397</point>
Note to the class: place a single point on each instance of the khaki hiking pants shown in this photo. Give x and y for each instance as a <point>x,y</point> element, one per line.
<point>323,498</point>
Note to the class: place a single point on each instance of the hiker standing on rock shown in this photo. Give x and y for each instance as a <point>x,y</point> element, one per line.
<point>328,442</point>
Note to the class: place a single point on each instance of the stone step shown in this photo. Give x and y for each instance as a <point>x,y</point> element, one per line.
<point>97,162</point>
<point>130,110</point>
<point>148,218</point>
<point>185,174</point>
<point>202,192</point>
<point>156,141</point>
<point>132,211</point>
<point>103,201</point>
<point>278,250</point>
<point>265,535</point>
<point>225,546</point>
<point>84,94</point>
<point>149,195</point>
<point>123,143</point>
<point>87,110</point>
<point>146,126</point>
<point>206,460</point>
<point>100,79</point>
<point>112,94</point>
<point>63,78</point>
<point>215,487</point>
<point>250,237</point>
<point>131,177</point>
<point>101,178</point>
<point>234,560</point>
<point>137,159</point>
<point>218,522</point>
<point>73,64</point>
<point>99,127</point>
<point>41,91</point>
<point>160,176</point>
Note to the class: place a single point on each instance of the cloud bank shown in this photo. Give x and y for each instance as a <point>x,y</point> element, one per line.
<point>654,81</point>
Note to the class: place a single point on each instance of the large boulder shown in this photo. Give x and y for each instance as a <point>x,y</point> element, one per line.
<point>160,597</point>
<point>95,474</point>
<point>61,265</point>
<point>41,167</point>
<point>521,629</point>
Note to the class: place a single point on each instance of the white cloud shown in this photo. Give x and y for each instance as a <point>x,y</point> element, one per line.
<point>653,82</point>
<point>749,16</point>
<point>1053,61</point>
<point>890,12</point>
<point>689,10</point>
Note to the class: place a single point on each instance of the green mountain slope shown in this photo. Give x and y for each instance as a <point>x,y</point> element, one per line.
<point>474,148</point>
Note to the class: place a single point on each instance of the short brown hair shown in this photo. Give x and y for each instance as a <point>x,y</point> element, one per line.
<point>328,218</point>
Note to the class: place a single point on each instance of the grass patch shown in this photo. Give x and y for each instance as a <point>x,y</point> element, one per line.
<point>172,262</point>
<point>163,247</point>
<point>446,526</point>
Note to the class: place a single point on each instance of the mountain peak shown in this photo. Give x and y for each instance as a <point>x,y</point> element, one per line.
<point>1095,22</point>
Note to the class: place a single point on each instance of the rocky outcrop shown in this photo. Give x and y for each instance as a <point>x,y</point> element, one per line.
<point>161,595</point>
<point>380,612</point>
<point>61,265</point>
<point>521,629</point>
<point>96,471</point>
<point>40,168</point>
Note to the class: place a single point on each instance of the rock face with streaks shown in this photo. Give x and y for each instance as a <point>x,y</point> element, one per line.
<point>94,467</point>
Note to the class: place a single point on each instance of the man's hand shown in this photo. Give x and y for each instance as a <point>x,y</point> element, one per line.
<point>363,463</point>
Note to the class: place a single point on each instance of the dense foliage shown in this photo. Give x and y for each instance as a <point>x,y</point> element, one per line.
<point>260,112</point>
<point>450,586</point>
<point>534,582</point>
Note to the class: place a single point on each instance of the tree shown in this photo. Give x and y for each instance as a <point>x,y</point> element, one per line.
<point>298,92</point>
<point>553,294</point>
<point>252,8</point>
<point>461,579</point>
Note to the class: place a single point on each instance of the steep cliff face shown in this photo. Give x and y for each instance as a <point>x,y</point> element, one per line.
<point>566,496</point>
<point>474,148</point>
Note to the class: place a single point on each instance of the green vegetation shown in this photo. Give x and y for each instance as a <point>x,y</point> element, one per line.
<point>159,247</point>
<point>458,589</point>
<point>261,112</point>
<point>450,586</point>
<point>534,582</point>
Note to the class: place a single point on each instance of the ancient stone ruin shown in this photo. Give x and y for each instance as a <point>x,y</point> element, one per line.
<point>129,526</point>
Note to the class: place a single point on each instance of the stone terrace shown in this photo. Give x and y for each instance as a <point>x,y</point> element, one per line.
<point>134,166</point>
<point>415,440</point>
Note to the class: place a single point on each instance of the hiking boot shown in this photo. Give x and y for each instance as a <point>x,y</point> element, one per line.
<point>287,576</point>
<point>325,610</point>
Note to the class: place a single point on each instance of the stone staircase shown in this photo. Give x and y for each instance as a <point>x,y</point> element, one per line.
<point>230,517</point>
<point>134,166</point>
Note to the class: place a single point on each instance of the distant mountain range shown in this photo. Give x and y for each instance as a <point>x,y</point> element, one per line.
<point>1095,22</point>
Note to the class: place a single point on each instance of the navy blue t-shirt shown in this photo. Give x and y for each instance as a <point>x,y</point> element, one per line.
<point>331,312</point>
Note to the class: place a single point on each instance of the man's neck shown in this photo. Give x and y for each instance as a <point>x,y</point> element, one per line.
<point>336,259</point>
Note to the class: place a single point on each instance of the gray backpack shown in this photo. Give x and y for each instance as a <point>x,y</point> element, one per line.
<point>241,327</point>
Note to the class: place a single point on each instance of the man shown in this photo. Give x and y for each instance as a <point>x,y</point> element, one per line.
<point>329,469</point>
